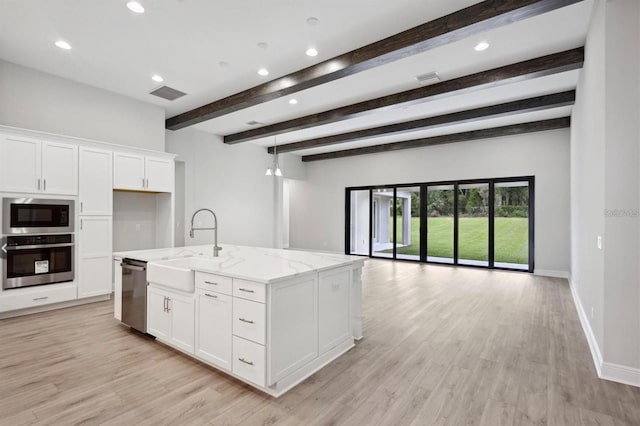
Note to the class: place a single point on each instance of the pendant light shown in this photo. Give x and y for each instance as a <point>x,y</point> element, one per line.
<point>275,166</point>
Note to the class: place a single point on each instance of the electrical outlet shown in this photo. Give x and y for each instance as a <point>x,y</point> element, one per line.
<point>599,242</point>
<point>137,227</point>
<point>592,312</point>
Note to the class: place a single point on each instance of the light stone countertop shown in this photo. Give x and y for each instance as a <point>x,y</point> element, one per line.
<point>265,265</point>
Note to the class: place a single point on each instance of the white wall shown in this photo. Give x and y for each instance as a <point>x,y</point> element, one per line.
<point>134,221</point>
<point>317,215</point>
<point>622,185</point>
<point>231,181</point>
<point>35,100</point>
<point>606,190</point>
<point>587,176</point>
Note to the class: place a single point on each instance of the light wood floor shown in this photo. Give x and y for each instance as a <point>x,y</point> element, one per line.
<point>442,346</point>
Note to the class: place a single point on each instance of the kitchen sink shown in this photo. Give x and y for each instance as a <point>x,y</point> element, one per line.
<point>178,274</point>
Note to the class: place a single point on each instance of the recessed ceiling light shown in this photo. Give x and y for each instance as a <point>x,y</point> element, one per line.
<point>263,45</point>
<point>311,52</point>
<point>63,45</point>
<point>293,101</point>
<point>223,64</point>
<point>157,78</point>
<point>263,71</point>
<point>312,20</point>
<point>483,45</point>
<point>136,7</point>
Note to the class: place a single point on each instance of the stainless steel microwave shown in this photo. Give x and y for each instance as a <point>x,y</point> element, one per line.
<point>37,216</point>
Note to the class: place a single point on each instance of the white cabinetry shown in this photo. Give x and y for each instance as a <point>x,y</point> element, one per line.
<point>334,314</point>
<point>170,317</point>
<point>139,173</point>
<point>272,336</point>
<point>213,327</point>
<point>95,256</point>
<point>34,166</point>
<point>96,183</point>
<point>96,224</point>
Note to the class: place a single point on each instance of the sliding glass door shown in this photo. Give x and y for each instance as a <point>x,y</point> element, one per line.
<point>511,225</point>
<point>408,223</point>
<point>440,223</point>
<point>473,224</point>
<point>359,222</point>
<point>484,223</point>
<point>383,224</point>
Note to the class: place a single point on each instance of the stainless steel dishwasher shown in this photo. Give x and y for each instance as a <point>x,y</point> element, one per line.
<point>134,294</point>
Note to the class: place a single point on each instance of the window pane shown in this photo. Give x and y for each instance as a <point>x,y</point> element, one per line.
<point>408,223</point>
<point>473,224</point>
<point>382,223</point>
<point>440,223</point>
<point>359,242</point>
<point>511,225</point>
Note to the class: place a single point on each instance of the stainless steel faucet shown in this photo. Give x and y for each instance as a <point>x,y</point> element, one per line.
<point>216,249</point>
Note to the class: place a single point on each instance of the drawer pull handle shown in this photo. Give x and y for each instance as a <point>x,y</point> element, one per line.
<point>245,320</point>
<point>245,361</point>
<point>209,282</point>
<point>41,298</point>
<point>246,290</point>
<point>211,295</point>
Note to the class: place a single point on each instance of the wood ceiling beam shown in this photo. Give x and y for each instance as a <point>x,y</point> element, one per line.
<point>458,25</point>
<point>493,111</point>
<point>533,68</point>
<point>515,129</point>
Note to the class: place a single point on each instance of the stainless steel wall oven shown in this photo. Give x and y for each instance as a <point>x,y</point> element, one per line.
<point>38,243</point>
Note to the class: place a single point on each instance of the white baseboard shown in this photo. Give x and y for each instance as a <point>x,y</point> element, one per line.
<point>620,373</point>
<point>551,273</point>
<point>605,370</point>
<point>596,355</point>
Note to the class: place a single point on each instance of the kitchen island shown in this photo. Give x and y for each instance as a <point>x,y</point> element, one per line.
<point>268,317</point>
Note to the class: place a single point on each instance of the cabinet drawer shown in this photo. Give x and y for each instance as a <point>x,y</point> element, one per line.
<point>213,282</point>
<point>249,320</point>
<point>30,297</point>
<point>249,360</point>
<point>249,290</point>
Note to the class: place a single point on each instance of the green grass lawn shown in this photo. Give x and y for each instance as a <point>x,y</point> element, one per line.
<point>511,238</point>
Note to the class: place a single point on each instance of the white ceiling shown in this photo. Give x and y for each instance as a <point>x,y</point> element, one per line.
<point>184,41</point>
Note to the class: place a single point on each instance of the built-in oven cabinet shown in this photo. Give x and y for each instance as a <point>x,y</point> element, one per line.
<point>96,182</point>
<point>31,165</point>
<point>95,256</point>
<point>32,297</point>
<point>141,173</point>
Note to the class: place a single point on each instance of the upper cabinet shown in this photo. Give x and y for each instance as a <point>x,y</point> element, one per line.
<point>35,166</point>
<point>139,173</point>
<point>96,182</point>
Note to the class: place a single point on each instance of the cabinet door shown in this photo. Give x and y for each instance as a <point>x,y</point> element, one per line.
<point>128,171</point>
<point>182,310</point>
<point>95,256</point>
<point>59,168</point>
<point>20,164</point>
<point>158,318</point>
<point>159,174</point>
<point>96,183</point>
<point>213,328</point>
<point>334,316</point>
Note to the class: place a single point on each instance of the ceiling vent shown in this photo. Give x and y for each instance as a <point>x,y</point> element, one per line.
<point>428,78</point>
<point>168,93</point>
<point>254,123</point>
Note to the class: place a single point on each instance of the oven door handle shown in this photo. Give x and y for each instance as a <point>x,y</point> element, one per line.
<point>38,246</point>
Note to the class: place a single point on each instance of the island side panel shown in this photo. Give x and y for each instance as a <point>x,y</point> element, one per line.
<point>356,302</point>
